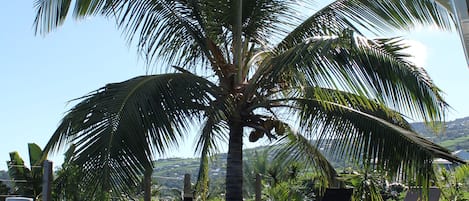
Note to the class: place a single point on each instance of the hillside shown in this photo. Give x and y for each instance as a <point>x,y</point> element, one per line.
<point>455,134</point>
<point>170,172</point>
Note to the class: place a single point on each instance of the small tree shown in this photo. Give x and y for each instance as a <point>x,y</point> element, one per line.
<point>27,181</point>
<point>454,184</point>
<point>70,182</point>
<point>4,190</point>
<point>283,177</point>
<point>367,184</point>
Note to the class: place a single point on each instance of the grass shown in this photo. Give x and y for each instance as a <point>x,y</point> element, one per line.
<point>453,143</point>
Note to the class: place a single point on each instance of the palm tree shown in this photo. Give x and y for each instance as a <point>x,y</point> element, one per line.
<point>256,68</point>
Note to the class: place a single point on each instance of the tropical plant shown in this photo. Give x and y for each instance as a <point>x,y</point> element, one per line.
<point>367,185</point>
<point>4,190</point>
<point>67,179</point>
<point>394,191</point>
<point>289,184</point>
<point>454,184</point>
<point>271,171</point>
<point>261,164</point>
<point>69,183</point>
<point>256,68</point>
<point>27,181</point>
<point>291,190</point>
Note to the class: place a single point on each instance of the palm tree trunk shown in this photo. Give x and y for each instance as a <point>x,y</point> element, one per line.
<point>234,167</point>
<point>147,184</point>
<point>237,40</point>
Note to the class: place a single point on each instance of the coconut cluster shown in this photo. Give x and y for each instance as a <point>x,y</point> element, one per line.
<point>266,128</point>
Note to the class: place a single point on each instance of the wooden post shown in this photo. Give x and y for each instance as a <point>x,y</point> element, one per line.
<point>258,187</point>
<point>187,195</point>
<point>47,181</point>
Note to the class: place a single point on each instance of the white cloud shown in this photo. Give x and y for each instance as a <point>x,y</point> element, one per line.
<point>417,51</point>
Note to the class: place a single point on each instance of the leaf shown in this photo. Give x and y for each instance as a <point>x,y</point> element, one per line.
<point>35,154</point>
<point>118,129</point>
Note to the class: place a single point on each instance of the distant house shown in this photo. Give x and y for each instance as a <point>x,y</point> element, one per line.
<point>462,154</point>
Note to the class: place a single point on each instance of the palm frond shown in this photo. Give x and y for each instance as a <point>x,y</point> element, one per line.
<point>371,137</point>
<point>295,147</point>
<point>374,16</point>
<point>323,23</point>
<point>213,132</point>
<point>202,27</point>
<point>396,14</point>
<point>354,101</point>
<point>155,23</point>
<point>118,128</point>
<point>376,69</point>
<point>401,84</point>
<point>50,14</point>
<point>263,19</point>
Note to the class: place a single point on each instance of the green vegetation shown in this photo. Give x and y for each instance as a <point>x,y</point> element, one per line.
<point>294,182</point>
<point>168,173</point>
<point>457,143</point>
<point>4,186</point>
<point>69,183</point>
<point>28,181</point>
<point>454,184</point>
<point>4,190</point>
<point>394,191</point>
<point>256,69</point>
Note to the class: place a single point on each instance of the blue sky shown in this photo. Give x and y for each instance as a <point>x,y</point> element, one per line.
<point>39,75</point>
